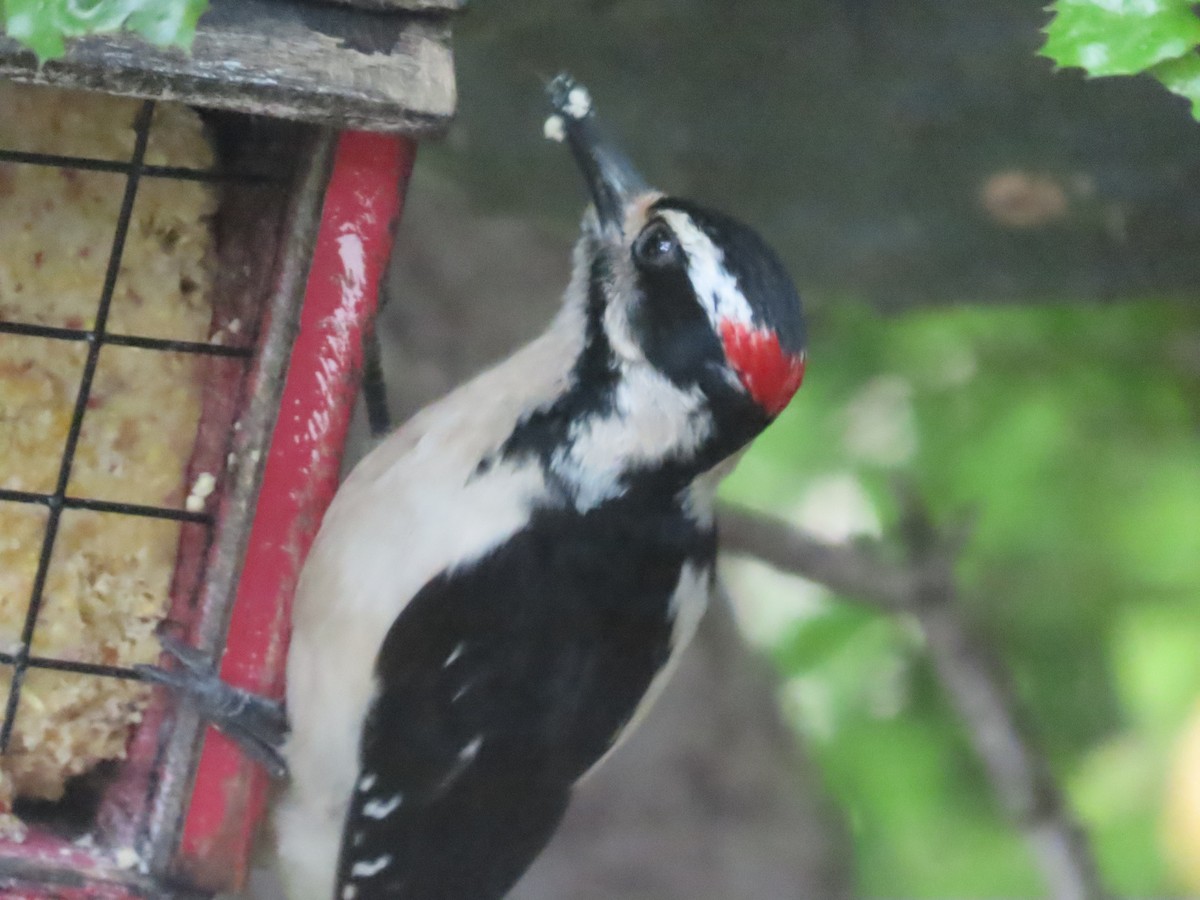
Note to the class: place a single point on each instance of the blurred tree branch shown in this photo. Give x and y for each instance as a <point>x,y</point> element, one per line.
<point>973,677</point>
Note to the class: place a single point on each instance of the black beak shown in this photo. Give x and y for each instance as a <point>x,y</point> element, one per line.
<point>611,178</point>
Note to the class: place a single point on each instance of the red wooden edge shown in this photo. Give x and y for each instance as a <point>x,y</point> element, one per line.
<point>363,200</point>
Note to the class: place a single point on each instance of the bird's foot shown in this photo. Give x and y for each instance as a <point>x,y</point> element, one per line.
<point>257,724</point>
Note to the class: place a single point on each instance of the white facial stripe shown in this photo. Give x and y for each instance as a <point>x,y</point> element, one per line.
<point>716,288</point>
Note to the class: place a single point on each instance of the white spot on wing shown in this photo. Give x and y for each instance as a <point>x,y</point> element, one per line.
<point>471,750</point>
<point>454,654</point>
<point>368,867</point>
<point>366,782</point>
<point>381,809</point>
<point>466,756</point>
<point>349,892</point>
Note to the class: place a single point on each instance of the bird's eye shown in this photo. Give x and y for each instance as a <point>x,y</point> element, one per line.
<point>656,247</point>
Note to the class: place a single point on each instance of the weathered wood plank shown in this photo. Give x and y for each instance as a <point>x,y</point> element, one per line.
<point>378,70</point>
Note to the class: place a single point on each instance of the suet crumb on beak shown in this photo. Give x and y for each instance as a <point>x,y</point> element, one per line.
<point>579,102</point>
<point>555,129</point>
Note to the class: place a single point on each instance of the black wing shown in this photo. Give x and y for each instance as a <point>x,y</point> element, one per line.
<point>499,686</point>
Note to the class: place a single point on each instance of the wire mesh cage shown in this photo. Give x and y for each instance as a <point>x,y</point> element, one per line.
<point>81,508</point>
<point>161,472</point>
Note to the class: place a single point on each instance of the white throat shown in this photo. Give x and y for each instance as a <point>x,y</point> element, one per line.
<point>651,419</point>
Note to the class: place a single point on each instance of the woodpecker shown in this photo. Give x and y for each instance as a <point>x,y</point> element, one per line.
<point>499,589</point>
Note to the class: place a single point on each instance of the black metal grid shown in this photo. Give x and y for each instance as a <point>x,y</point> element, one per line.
<point>96,337</point>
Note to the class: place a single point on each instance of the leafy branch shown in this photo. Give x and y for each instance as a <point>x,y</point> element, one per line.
<point>44,25</point>
<point>975,680</point>
<point>1128,37</point>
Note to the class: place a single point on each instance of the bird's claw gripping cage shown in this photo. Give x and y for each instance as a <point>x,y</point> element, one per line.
<point>302,233</point>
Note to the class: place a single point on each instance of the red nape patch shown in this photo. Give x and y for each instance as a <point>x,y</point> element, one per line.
<point>771,375</point>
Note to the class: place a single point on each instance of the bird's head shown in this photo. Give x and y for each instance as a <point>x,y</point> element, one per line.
<point>690,291</point>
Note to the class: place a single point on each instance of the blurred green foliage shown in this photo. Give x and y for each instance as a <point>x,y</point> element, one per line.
<point>1070,433</point>
<point>1126,37</point>
<point>44,25</point>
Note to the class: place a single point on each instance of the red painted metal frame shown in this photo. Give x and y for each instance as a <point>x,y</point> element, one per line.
<point>363,201</point>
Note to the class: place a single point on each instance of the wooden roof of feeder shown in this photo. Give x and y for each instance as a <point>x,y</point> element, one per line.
<point>380,65</point>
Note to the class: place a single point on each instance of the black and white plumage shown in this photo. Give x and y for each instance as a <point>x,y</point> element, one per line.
<point>499,587</point>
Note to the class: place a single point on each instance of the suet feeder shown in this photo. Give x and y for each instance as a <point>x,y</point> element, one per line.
<point>313,111</point>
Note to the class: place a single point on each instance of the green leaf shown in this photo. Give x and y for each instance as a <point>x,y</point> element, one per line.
<point>1182,76</point>
<point>1156,667</point>
<point>44,25</point>
<point>28,23</point>
<point>168,22</point>
<point>1071,432</point>
<point>1120,37</point>
<point>815,640</point>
